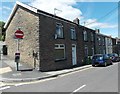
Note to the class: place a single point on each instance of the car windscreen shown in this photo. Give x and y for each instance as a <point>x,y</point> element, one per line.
<point>113,55</point>
<point>98,57</point>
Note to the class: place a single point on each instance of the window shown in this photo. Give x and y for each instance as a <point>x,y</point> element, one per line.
<point>92,50</point>
<point>103,41</point>
<point>99,41</point>
<point>110,42</point>
<point>73,33</point>
<point>92,37</point>
<point>59,51</point>
<point>86,51</point>
<point>85,35</point>
<point>59,31</point>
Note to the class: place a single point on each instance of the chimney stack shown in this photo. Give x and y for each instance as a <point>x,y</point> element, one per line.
<point>76,21</point>
<point>97,30</point>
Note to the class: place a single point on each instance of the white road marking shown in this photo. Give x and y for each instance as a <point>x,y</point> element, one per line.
<point>2,84</point>
<point>33,82</point>
<point>3,88</point>
<point>75,72</point>
<point>5,70</point>
<point>78,89</point>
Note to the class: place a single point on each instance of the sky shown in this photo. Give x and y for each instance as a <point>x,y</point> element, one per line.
<point>99,14</point>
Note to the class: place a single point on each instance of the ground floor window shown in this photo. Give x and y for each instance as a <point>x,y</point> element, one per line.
<point>86,51</point>
<point>92,50</point>
<point>59,51</point>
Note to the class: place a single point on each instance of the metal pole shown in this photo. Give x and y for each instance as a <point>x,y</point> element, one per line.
<point>17,45</point>
<point>17,63</point>
<point>17,66</point>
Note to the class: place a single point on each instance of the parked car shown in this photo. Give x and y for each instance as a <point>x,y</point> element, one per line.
<point>101,59</point>
<point>114,57</point>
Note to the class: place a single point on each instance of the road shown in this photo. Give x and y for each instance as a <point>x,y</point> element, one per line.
<point>94,79</point>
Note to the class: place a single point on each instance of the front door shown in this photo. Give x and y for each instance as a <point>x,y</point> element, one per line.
<point>74,62</point>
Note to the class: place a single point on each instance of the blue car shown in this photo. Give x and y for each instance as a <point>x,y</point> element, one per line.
<point>101,59</point>
<point>114,57</point>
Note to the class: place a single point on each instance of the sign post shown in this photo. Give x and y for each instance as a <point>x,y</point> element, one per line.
<point>19,35</point>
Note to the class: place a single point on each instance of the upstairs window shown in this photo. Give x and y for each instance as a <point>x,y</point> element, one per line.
<point>110,42</point>
<point>103,41</point>
<point>85,35</point>
<point>59,31</point>
<point>86,51</point>
<point>73,33</point>
<point>93,51</point>
<point>99,40</point>
<point>92,37</point>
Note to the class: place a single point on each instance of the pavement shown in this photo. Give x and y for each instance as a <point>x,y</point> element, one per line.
<point>95,80</point>
<point>9,73</point>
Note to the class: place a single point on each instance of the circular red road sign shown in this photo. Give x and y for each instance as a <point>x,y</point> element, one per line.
<point>19,34</point>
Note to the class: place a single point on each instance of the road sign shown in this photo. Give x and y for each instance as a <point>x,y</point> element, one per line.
<point>19,34</point>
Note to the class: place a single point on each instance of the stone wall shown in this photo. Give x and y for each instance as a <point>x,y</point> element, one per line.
<point>29,24</point>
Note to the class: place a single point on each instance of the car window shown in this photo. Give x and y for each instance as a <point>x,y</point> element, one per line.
<point>106,56</point>
<point>115,55</point>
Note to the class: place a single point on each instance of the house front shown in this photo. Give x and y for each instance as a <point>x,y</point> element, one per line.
<point>100,46</point>
<point>109,47</point>
<point>49,42</point>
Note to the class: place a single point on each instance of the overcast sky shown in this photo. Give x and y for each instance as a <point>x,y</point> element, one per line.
<point>101,15</point>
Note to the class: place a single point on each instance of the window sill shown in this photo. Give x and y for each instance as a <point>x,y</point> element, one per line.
<point>85,40</point>
<point>60,38</point>
<point>57,60</point>
<point>74,39</point>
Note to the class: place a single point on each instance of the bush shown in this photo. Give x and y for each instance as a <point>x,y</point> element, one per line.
<point>2,37</point>
<point>87,60</point>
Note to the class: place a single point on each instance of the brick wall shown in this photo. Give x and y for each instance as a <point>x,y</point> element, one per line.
<point>47,44</point>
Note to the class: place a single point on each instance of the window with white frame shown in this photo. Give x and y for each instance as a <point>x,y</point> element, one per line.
<point>59,51</point>
<point>59,30</point>
<point>92,36</point>
<point>85,35</point>
<point>73,33</point>
<point>86,51</point>
<point>92,50</point>
<point>103,41</point>
<point>99,40</point>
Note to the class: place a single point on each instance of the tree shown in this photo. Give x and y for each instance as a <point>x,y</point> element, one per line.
<point>2,24</point>
<point>2,31</point>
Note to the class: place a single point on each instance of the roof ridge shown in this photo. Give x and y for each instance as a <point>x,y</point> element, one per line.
<point>14,9</point>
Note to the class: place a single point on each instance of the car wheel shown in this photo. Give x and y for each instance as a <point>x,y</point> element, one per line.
<point>111,63</point>
<point>105,64</point>
<point>93,65</point>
